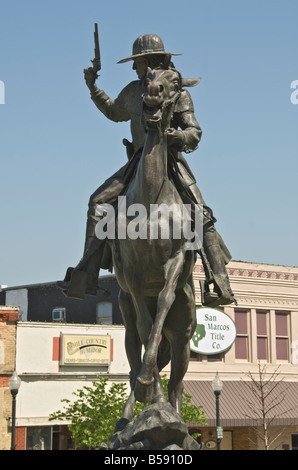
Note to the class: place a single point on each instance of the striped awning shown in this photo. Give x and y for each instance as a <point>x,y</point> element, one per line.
<point>239,406</point>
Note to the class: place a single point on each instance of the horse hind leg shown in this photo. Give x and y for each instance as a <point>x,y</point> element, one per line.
<point>164,353</point>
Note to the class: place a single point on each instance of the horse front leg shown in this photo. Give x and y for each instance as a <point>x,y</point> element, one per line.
<point>133,347</point>
<point>165,300</point>
<point>141,325</point>
<point>179,328</point>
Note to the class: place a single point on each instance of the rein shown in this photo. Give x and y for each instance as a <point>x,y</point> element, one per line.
<point>170,103</point>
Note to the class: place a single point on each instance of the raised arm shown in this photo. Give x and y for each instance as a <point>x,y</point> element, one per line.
<point>112,109</point>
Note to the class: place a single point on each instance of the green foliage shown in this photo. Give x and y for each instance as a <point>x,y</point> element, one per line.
<point>96,409</point>
<point>94,412</point>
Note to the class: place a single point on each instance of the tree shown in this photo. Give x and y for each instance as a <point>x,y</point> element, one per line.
<point>267,394</point>
<point>96,410</point>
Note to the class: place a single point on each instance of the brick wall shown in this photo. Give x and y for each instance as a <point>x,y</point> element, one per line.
<point>20,438</point>
<point>8,321</point>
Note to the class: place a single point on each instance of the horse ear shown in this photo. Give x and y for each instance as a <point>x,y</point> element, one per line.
<point>149,73</point>
<point>190,81</point>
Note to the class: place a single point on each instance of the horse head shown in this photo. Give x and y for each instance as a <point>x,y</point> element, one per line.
<point>163,87</point>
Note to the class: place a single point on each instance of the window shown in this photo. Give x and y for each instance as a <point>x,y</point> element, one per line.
<point>294,438</point>
<point>39,438</point>
<point>262,335</point>
<point>215,357</point>
<point>104,313</point>
<point>282,335</point>
<point>242,338</point>
<point>61,438</point>
<point>59,314</point>
<point>194,356</point>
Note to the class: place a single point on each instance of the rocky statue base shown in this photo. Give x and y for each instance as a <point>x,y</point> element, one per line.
<point>157,427</point>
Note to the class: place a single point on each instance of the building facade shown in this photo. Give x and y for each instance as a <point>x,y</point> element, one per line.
<point>46,302</point>
<point>266,320</point>
<point>59,360</point>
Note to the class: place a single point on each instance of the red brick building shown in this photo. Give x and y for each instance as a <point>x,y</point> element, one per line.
<point>8,325</point>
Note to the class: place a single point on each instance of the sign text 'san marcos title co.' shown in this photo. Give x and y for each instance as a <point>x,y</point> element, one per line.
<point>90,350</point>
<point>215,332</point>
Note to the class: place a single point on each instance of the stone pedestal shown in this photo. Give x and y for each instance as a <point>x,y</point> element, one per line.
<point>157,427</point>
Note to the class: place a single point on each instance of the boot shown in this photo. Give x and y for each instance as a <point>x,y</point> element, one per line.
<point>83,279</point>
<point>222,293</point>
<point>76,285</point>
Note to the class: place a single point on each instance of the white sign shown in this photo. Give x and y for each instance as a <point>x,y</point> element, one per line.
<point>219,432</point>
<point>215,332</point>
<point>89,350</point>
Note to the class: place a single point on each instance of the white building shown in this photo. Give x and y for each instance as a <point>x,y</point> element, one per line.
<point>266,320</point>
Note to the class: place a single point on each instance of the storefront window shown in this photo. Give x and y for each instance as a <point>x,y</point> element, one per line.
<point>294,441</point>
<point>39,438</point>
<point>61,439</point>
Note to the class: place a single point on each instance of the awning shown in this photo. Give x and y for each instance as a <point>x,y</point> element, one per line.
<point>237,400</point>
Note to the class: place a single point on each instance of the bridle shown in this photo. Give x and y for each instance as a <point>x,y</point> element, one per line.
<point>167,106</point>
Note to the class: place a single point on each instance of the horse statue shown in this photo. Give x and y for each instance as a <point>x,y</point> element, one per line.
<point>156,297</point>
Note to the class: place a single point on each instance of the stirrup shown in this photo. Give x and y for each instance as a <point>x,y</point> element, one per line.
<point>215,299</point>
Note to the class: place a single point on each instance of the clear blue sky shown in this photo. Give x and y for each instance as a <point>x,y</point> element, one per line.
<point>56,148</point>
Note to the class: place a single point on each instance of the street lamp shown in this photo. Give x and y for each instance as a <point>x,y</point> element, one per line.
<point>217,388</point>
<point>14,385</point>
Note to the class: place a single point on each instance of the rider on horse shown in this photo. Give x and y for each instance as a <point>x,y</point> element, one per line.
<point>148,51</point>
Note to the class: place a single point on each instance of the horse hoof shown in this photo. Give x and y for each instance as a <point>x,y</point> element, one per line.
<point>143,391</point>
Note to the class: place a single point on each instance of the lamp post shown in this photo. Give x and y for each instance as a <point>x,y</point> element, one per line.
<point>217,388</point>
<point>14,385</point>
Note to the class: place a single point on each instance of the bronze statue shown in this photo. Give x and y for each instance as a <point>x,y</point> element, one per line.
<point>148,51</point>
<point>157,297</point>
